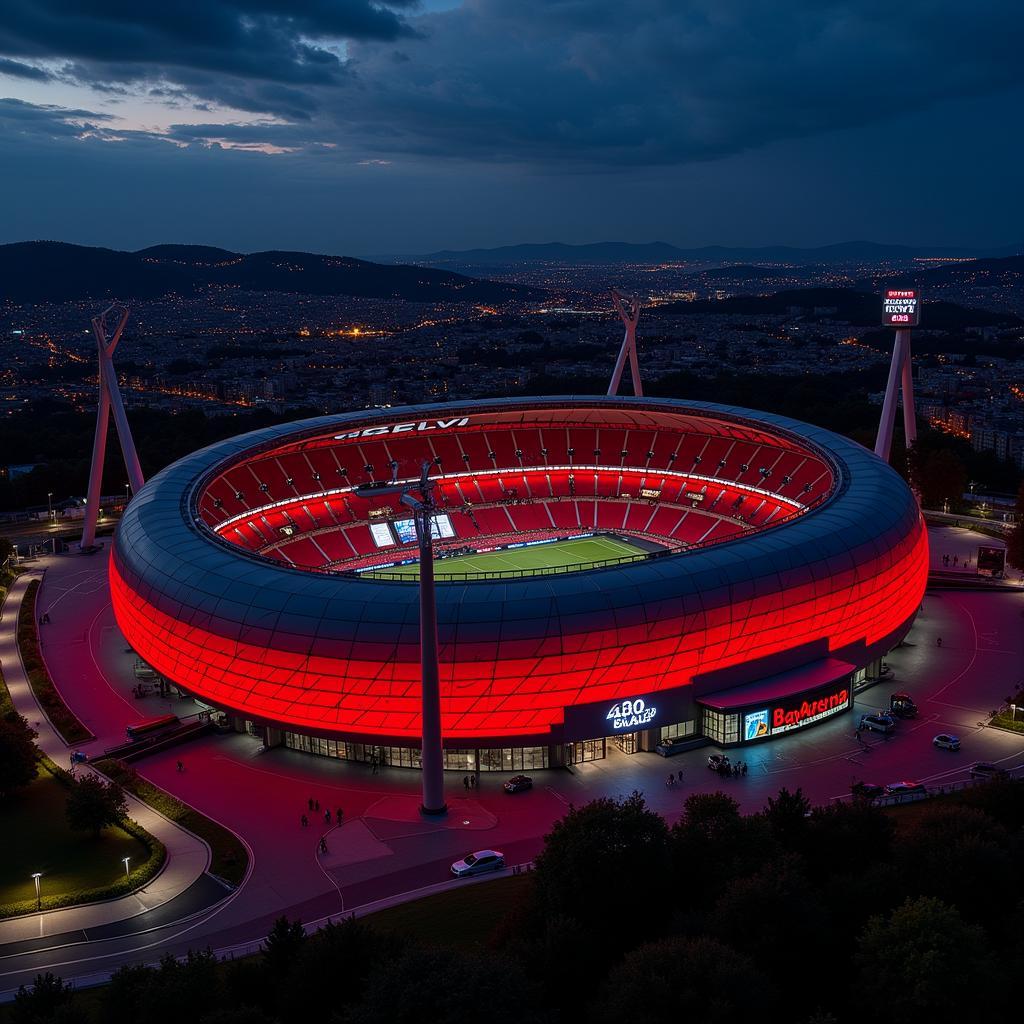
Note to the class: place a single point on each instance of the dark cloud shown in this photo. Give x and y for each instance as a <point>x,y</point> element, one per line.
<point>660,81</point>
<point>15,69</point>
<point>19,118</point>
<point>200,43</point>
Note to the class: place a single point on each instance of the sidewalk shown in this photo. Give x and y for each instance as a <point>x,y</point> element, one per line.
<point>187,856</point>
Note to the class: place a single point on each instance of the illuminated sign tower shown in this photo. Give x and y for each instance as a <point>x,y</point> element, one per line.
<point>109,398</point>
<point>901,308</point>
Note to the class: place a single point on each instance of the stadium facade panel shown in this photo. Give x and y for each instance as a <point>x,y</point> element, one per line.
<point>253,574</point>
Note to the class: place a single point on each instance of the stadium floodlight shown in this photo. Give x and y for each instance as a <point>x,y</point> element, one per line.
<point>423,509</point>
<point>628,308</point>
<point>108,328</point>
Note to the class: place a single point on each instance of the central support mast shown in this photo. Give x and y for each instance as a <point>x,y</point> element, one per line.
<point>432,748</point>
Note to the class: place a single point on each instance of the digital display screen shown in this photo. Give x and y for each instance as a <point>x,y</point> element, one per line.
<point>755,725</point>
<point>440,529</point>
<point>381,535</point>
<point>405,530</point>
<point>901,307</point>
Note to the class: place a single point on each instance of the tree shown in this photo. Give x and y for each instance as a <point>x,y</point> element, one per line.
<point>939,475</point>
<point>597,854</point>
<point>1015,542</point>
<point>39,1003</point>
<point>93,804</point>
<point>928,962</point>
<point>689,979</point>
<point>282,946</point>
<point>18,753</point>
<point>445,986</point>
<point>787,816</point>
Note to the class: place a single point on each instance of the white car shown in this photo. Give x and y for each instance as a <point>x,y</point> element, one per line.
<point>479,862</point>
<point>947,741</point>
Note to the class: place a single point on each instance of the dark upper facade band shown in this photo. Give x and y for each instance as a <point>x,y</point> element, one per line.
<point>337,654</point>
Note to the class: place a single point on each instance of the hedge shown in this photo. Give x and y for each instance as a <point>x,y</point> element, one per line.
<point>61,716</point>
<point>138,877</point>
<point>230,857</point>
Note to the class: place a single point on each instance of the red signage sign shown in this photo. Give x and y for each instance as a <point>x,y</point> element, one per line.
<point>792,716</point>
<point>901,307</point>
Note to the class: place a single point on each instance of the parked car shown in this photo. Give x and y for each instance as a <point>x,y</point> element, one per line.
<point>946,741</point>
<point>905,789</point>
<point>902,705</point>
<point>877,723</point>
<point>867,790</point>
<point>986,770</point>
<point>479,862</point>
<point>518,783</point>
<point>715,761</point>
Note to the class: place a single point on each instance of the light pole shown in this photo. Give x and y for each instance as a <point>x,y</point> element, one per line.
<point>127,873</point>
<point>127,487</point>
<point>49,502</point>
<point>1013,712</point>
<point>36,875</point>
<point>431,749</point>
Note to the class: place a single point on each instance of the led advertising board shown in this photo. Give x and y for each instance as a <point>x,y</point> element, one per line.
<point>901,307</point>
<point>440,529</point>
<point>381,535</point>
<point>628,714</point>
<point>755,724</point>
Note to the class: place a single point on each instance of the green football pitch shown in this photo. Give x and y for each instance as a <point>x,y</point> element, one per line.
<point>558,556</point>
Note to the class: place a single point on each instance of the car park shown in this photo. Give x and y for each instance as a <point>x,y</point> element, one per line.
<point>518,784</point>
<point>987,770</point>
<point>946,741</point>
<point>905,789</point>
<point>478,863</point>
<point>877,723</point>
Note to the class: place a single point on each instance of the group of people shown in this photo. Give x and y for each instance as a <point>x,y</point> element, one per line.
<point>955,561</point>
<point>313,807</point>
<point>44,619</point>
<point>470,781</point>
<point>729,770</point>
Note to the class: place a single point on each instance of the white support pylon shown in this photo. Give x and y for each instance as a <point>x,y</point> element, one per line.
<point>900,374</point>
<point>109,399</point>
<point>629,309</point>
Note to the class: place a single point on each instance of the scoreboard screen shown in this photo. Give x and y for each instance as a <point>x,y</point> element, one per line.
<point>901,307</point>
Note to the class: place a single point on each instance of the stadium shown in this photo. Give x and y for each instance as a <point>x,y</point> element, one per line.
<point>647,571</point>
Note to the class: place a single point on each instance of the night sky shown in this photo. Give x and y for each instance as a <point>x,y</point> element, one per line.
<point>405,127</point>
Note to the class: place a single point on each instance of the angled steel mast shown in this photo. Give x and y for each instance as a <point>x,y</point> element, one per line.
<point>108,328</point>
<point>900,374</point>
<point>628,307</point>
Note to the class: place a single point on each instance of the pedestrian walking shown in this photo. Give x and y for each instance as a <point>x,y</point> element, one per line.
<point>316,805</point>
<point>327,816</point>
<point>311,803</point>
<point>181,766</point>
<point>938,641</point>
<point>465,781</point>
<point>323,844</point>
<point>744,768</point>
<point>305,821</point>
<point>339,815</point>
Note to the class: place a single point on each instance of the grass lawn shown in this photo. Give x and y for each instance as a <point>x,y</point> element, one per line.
<point>538,558</point>
<point>459,917</point>
<point>36,837</point>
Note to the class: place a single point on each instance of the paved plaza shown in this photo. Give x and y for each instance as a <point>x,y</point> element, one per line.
<point>383,850</point>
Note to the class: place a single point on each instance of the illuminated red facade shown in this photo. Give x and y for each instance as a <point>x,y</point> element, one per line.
<point>772,544</point>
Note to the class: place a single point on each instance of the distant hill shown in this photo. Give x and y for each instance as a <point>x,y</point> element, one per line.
<point>658,252</point>
<point>1007,272</point>
<point>33,272</point>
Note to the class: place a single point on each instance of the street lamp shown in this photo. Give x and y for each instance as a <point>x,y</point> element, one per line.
<point>36,875</point>
<point>126,498</point>
<point>1013,712</point>
<point>127,873</point>
<point>49,502</point>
